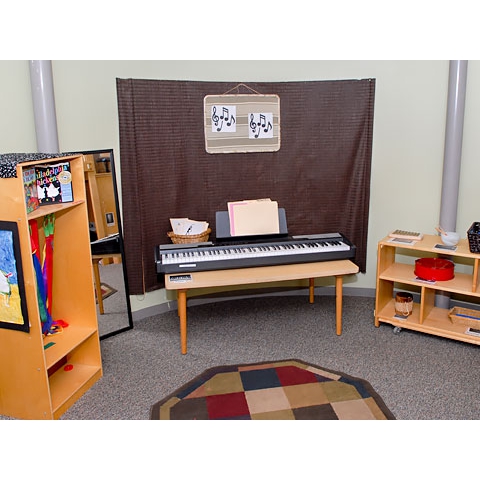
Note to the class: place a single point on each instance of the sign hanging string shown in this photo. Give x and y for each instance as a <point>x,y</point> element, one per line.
<point>241,85</point>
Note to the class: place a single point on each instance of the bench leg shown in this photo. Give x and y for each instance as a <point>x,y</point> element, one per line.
<point>182,313</point>
<point>338,301</point>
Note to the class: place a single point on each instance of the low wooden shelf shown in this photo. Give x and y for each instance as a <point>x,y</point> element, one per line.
<point>394,272</point>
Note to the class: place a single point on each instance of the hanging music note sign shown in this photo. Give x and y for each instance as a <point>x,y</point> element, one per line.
<point>225,122</point>
<point>260,125</point>
<point>242,123</point>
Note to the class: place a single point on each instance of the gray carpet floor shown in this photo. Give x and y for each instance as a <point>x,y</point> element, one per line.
<point>420,377</point>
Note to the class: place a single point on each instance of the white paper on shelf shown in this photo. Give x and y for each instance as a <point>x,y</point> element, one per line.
<point>185,226</point>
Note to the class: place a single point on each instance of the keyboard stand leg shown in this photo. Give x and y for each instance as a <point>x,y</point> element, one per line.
<point>338,295</point>
<point>311,288</point>
<point>182,313</point>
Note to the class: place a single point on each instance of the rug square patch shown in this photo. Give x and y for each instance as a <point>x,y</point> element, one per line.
<point>227,406</point>
<point>374,408</point>
<point>199,392</point>
<point>267,400</point>
<point>290,375</point>
<point>340,391</point>
<point>323,373</point>
<point>318,412</point>
<point>360,386</point>
<point>164,410</point>
<point>190,409</point>
<point>353,410</point>
<point>260,379</point>
<point>192,386</point>
<point>223,383</point>
<point>255,366</point>
<point>305,395</point>
<point>276,415</point>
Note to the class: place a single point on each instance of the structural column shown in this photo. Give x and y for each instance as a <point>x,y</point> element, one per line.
<point>43,97</point>
<point>457,85</point>
<point>453,143</point>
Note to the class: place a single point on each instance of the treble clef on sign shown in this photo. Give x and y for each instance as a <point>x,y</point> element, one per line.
<point>253,123</point>
<point>215,117</point>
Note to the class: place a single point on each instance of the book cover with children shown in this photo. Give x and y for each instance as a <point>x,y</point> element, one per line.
<point>54,183</point>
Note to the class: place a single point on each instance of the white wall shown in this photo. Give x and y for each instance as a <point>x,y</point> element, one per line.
<point>408,141</point>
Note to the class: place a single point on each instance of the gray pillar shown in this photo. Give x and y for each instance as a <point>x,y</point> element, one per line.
<point>453,144</point>
<point>43,97</point>
<point>457,85</point>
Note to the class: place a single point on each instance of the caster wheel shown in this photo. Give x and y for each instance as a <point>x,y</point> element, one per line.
<point>397,329</point>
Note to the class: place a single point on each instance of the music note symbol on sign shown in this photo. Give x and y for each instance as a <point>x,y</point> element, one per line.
<point>229,119</point>
<point>261,125</point>
<point>262,121</point>
<point>226,121</point>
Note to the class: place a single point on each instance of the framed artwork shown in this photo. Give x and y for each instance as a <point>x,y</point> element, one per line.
<point>242,123</point>
<point>13,307</point>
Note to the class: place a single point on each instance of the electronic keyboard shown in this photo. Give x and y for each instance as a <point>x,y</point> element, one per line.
<point>175,258</point>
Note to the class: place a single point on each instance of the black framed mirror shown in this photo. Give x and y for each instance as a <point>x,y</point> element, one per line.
<point>106,238</point>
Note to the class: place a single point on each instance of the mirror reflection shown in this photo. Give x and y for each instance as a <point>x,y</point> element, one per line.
<point>106,238</point>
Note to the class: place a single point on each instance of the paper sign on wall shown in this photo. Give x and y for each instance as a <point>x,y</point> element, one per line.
<point>242,123</point>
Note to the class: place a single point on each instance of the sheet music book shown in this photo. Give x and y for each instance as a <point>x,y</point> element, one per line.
<point>222,227</point>
<point>253,217</point>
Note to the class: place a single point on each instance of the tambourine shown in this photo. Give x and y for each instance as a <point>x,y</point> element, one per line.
<point>433,269</point>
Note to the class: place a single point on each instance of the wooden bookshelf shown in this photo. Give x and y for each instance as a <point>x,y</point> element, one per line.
<point>41,377</point>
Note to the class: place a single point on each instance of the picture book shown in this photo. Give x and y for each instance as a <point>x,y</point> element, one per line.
<point>30,188</point>
<point>54,183</point>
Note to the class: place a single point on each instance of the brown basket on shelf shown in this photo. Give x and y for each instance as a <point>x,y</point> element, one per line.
<point>465,316</point>
<point>201,237</point>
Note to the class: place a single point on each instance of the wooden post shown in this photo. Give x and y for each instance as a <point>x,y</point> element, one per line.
<point>338,294</point>
<point>182,312</point>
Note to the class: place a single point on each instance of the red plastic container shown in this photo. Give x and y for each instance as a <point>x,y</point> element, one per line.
<point>434,269</point>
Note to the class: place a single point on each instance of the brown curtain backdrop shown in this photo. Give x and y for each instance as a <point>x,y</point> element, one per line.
<point>320,175</point>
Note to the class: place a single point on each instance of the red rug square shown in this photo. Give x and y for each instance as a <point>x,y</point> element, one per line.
<point>291,375</point>
<point>229,405</point>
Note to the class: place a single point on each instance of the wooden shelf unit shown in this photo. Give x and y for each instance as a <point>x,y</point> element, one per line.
<point>394,272</point>
<point>34,383</point>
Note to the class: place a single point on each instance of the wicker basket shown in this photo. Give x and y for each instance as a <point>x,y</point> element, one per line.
<point>465,316</point>
<point>201,237</point>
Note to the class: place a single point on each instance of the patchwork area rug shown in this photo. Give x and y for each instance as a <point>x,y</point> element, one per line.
<point>280,390</point>
<point>107,291</point>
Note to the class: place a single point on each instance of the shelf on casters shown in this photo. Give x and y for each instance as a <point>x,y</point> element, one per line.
<point>462,283</point>
<point>436,323</point>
